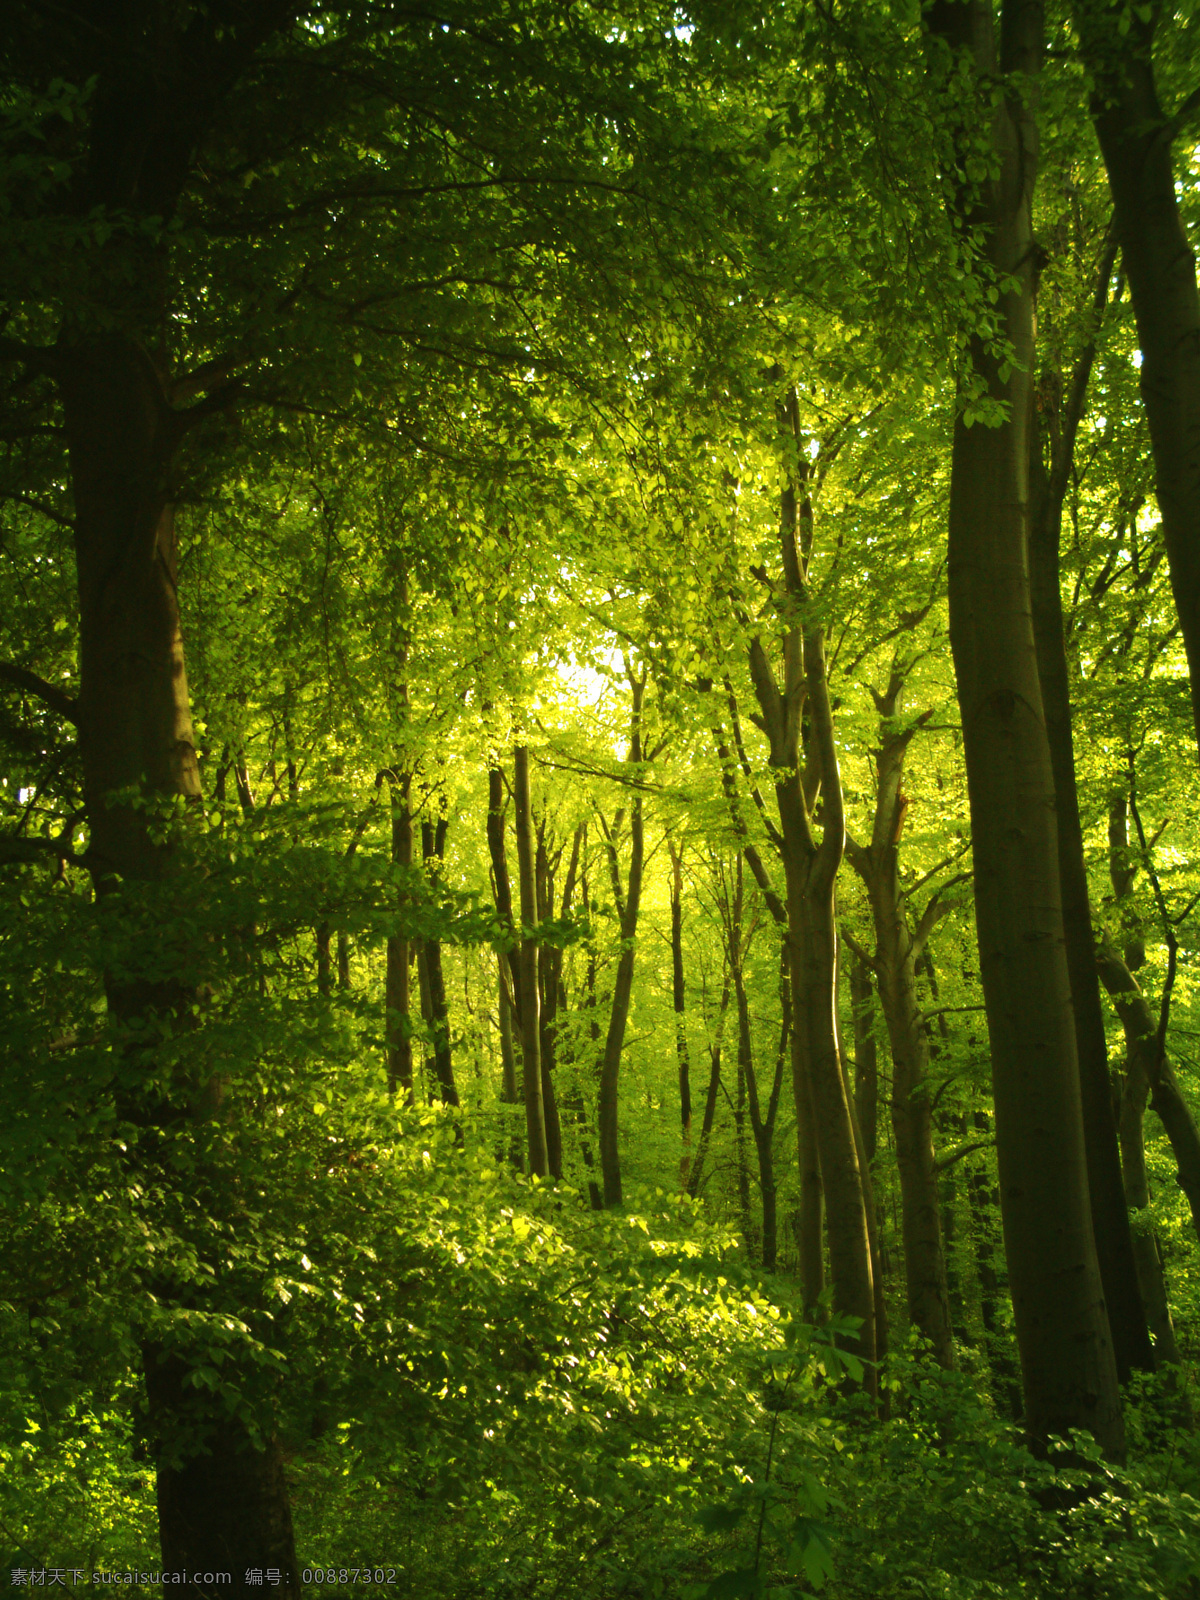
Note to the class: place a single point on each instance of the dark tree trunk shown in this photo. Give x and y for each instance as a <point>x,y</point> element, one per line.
<point>628,906</point>
<point>1134,1094</point>
<point>1110,1216</point>
<point>136,733</point>
<point>1136,140</point>
<point>1067,1363</point>
<point>397,1001</point>
<point>866,1057</point>
<point>510,1093</point>
<point>528,1008</point>
<point>1143,1036</point>
<point>824,1115</point>
<point>548,968</point>
<point>898,948</point>
<point>711,1095</point>
<point>433,852</point>
<point>678,1002</point>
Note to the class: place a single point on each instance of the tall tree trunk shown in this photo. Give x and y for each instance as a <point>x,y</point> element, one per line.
<point>501,883</point>
<point>433,852</point>
<point>712,1093</point>
<point>1134,1093</point>
<point>628,906</point>
<point>1067,1363</point>
<point>324,960</point>
<point>595,1193</point>
<point>510,1093</point>
<point>824,1117</point>
<point>159,81</point>
<point>1144,1035</point>
<point>678,1002</point>
<point>866,1056</point>
<point>397,985</point>
<point>547,970</point>
<point>898,948</point>
<point>1110,1217</point>
<point>222,1496</point>
<point>1135,136</point>
<point>529,1010</point>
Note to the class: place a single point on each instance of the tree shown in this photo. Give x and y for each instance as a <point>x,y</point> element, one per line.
<point>1055,1280</point>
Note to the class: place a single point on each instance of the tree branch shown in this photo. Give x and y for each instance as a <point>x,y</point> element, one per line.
<point>59,702</point>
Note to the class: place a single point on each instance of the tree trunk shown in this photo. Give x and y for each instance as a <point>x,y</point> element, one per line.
<point>396,993</point>
<point>1136,140</point>
<point>866,1057</point>
<point>510,1094</point>
<point>1166,1097</point>
<point>433,852</point>
<point>824,1118</point>
<point>528,1009</point>
<point>678,1001</point>
<point>1134,1094</point>
<point>219,1493</point>
<point>1110,1216</point>
<point>1067,1362</point>
<point>610,1065</point>
<point>897,949</point>
<point>548,968</point>
<point>711,1095</point>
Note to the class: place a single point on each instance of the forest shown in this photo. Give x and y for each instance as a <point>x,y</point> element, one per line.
<point>599,827</point>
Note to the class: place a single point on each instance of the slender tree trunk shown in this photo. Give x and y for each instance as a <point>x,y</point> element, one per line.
<point>397,999</point>
<point>1067,1363</point>
<point>897,949</point>
<point>1110,1217</point>
<point>547,977</point>
<point>1135,137</point>
<point>324,960</point>
<point>509,1091</point>
<point>343,960</point>
<point>745,1215</point>
<point>531,1052</point>
<point>610,1066</point>
<point>433,852</point>
<point>824,1117</point>
<point>595,1193</point>
<point>1142,1036</point>
<point>1134,1094</point>
<point>678,1001</point>
<point>501,884</point>
<point>866,1057</point>
<point>712,1093</point>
